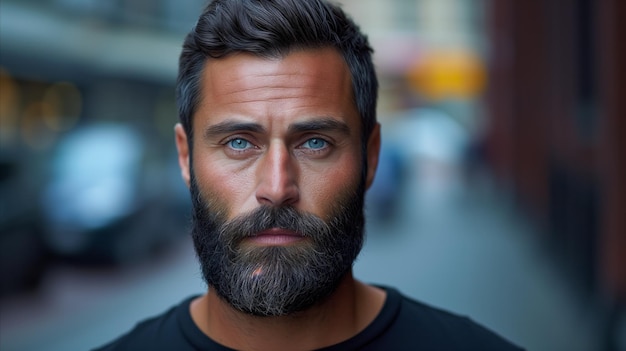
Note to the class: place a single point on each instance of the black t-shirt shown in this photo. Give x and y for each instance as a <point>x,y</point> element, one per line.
<point>402,324</point>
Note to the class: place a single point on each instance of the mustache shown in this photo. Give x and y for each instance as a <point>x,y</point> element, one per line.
<point>268,217</point>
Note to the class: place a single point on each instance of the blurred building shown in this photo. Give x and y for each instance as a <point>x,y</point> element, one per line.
<point>116,60</point>
<point>557,122</point>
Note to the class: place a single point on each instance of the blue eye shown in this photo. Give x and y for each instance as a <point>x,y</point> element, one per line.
<point>315,143</point>
<point>239,144</point>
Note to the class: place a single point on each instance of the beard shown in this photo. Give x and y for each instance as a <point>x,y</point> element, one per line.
<point>276,280</point>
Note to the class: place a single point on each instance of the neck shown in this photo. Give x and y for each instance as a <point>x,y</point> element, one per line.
<point>345,313</point>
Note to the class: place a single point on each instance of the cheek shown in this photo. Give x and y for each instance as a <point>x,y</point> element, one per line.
<point>322,187</point>
<point>230,187</point>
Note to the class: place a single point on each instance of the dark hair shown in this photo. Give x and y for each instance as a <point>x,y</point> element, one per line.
<point>273,28</point>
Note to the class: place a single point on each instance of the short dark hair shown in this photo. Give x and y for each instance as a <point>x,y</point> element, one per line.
<point>273,28</point>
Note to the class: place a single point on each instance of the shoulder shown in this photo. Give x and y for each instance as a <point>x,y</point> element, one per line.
<point>407,324</point>
<point>162,332</point>
<point>436,328</point>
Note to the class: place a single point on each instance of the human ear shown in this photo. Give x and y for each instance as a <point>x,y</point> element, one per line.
<point>183,152</point>
<point>373,151</point>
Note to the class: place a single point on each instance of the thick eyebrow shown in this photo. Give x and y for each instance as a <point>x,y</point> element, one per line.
<point>227,127</point>
<point>320,124</point>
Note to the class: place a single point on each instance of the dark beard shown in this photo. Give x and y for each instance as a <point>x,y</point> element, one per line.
<point>276,280</point>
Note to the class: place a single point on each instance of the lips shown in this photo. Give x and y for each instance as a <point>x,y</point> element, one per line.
<point>275,237</point>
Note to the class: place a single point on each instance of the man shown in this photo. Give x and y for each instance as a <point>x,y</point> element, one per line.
<point>278,142</point>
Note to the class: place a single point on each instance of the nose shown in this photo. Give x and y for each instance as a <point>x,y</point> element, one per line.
<point>277,174</point>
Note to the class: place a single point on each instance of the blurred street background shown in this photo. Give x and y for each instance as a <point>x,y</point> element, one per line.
<point>500,193</point>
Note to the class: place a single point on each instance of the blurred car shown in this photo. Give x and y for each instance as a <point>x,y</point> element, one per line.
<point>22,252</point>
<point>109,199</point>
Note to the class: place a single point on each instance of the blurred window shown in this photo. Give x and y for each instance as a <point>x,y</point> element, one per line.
<point>405,13</point>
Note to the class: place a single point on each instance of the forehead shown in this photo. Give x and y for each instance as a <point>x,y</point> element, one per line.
<point>314,81</point>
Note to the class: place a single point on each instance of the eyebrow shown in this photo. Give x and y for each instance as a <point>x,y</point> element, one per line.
<point>320,124</point>
<point>231,127</point>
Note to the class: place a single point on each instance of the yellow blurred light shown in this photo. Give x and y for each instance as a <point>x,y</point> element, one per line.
<point>442,74</point>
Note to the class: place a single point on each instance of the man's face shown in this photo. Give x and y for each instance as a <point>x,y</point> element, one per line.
<point>276,179</point>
